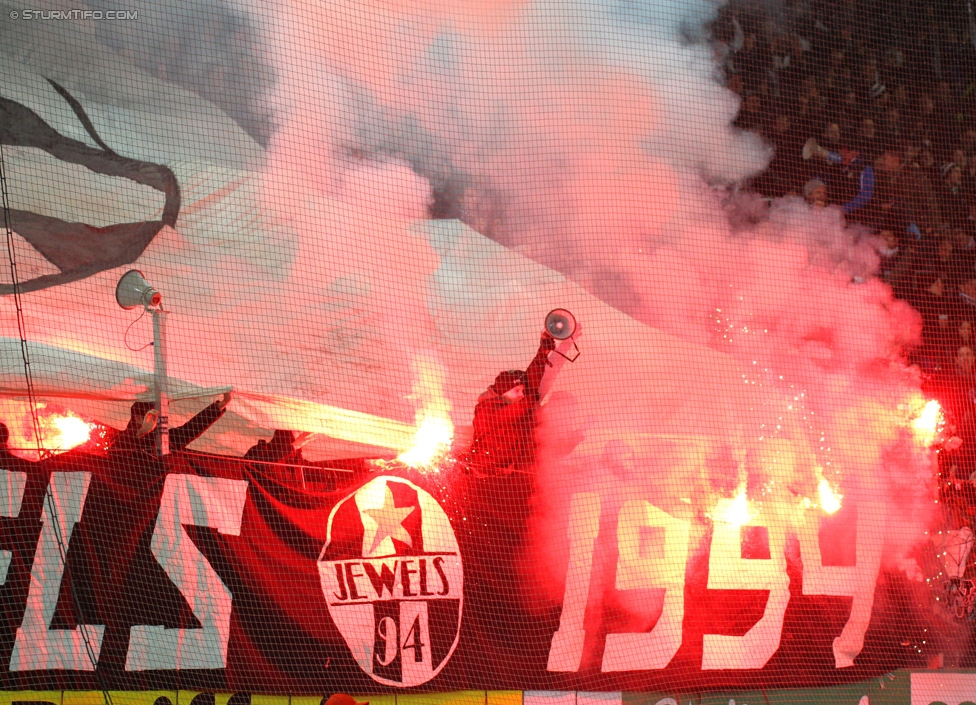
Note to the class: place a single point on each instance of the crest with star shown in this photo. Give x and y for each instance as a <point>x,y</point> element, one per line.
<point>386,523</point>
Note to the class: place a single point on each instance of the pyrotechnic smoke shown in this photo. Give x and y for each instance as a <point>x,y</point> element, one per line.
<point>596,138</point>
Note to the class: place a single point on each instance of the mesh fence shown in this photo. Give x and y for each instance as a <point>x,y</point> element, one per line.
<point>559,352</point>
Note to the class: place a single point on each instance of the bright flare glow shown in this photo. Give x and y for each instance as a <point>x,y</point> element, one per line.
<point>733,511</point>
<point>435,432</point>
<point>431,442</point>
<point>62,432</point>
<point>829,500</point>
<point>926,424</point>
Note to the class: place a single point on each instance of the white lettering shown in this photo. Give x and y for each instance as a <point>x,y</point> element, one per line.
<point>728,570</point>
<point>566,650</point>
<point>857,581</point>
<point>415,658</point>
<point>12,486</point>
<point>636,570</point>
<point>37,646</point>
<point>198,501</point>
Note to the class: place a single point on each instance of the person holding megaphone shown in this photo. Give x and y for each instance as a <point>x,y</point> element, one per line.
<point>505,415</point>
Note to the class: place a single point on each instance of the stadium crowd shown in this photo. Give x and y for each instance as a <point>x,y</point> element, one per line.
<point>870,106</point>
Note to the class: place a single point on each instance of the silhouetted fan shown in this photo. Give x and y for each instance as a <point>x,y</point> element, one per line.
<point>80,250</point>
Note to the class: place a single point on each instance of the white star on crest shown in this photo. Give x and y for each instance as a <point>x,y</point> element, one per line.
<point>388,521</point>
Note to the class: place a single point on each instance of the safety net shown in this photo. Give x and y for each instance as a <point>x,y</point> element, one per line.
<point>510,351</point>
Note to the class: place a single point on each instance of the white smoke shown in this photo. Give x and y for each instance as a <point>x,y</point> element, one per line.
<point>596,139</point>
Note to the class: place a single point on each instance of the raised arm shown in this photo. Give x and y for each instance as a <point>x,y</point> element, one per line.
<point>537,368</point>
<point>182,436</point>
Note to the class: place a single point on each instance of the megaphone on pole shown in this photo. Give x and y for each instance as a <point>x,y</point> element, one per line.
<point>811,149</point>
<point>133,290</point>
<point>561,325</point>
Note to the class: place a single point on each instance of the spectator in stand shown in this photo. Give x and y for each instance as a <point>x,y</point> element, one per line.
<point>781,174</point>
<point>891,206</point>
<point>849,110</point>
<point>897,262</point>
<point>921,121</point>
<point>961,159</point>
<point>926,163</point>
<point>850,181</point>
<point>897,108</point>
<point>962,326</point>
<point>838,72</point>
<point>945,264</point>
<point>849,175</point>
<point>891,125</point>
<point>922,176</point>
<point>815,193</point>
<point>969,226</point>
<point>946,116</point>
<point>751,113</point>
<point>811,103</point>
<point>728,39</point>
<point>967,141</point>
<point>953,200</point>
<point>867,138</point>
<point>867,80</point>
<point>933,301</point>
<point>899,99</point>
<point>782,72</point>
<point>893,71</point>
<point>956,60</point>
<point>966,297</point>
<point>964,252</point>
<point>753,60</point>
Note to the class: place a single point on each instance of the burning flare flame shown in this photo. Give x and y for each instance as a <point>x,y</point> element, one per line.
<point>926,424</point>
<point>735,511</point>
<point>829,498</point>
<point>430,443</point>
<point>435,432</point>
<point>61,432</point>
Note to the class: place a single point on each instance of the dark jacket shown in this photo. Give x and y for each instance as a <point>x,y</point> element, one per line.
<point>179,437</point>
<point>504,430</point>
<point>280,449</point>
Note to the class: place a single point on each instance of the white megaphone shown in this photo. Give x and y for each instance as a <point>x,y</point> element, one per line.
<point>560,324</point>
<point>133,290</point>
<point>811,149</point>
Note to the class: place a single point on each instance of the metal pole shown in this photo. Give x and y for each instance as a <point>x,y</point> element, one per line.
<point>159,377</point>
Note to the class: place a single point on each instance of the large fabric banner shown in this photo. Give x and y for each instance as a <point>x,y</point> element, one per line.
<point>208,573</point>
